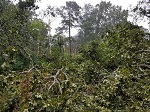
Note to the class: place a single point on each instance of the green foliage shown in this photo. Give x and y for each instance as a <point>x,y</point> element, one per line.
<point>110,74</point>
<point>14,35</point>
<point>107,75</point>
<point>38,39</point>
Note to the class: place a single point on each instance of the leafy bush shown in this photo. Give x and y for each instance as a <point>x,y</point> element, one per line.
<point>111,74</point>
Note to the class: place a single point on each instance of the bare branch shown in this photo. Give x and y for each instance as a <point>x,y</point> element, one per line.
<point>56,80</point>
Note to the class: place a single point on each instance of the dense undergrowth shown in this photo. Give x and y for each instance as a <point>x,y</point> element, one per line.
<point>108,75</point>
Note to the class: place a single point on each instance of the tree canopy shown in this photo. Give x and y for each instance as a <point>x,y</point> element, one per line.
<point>100,18</point>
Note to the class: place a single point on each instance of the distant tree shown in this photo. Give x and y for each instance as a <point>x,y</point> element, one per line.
<point>96,20</point>
<point>86,22</point>
<point>142,8</point>
<point>50,15</point>
<point>142,11</point>
<point>70,17</point>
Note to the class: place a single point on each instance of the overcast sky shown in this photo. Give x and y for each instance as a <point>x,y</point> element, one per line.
<point>44,3</point>
<point>123,3</point>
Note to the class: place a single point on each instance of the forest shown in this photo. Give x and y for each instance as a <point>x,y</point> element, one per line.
<point>105,67</point>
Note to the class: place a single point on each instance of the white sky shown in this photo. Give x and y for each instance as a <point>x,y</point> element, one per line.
<point>44,3</point>
<point>123,3</point>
